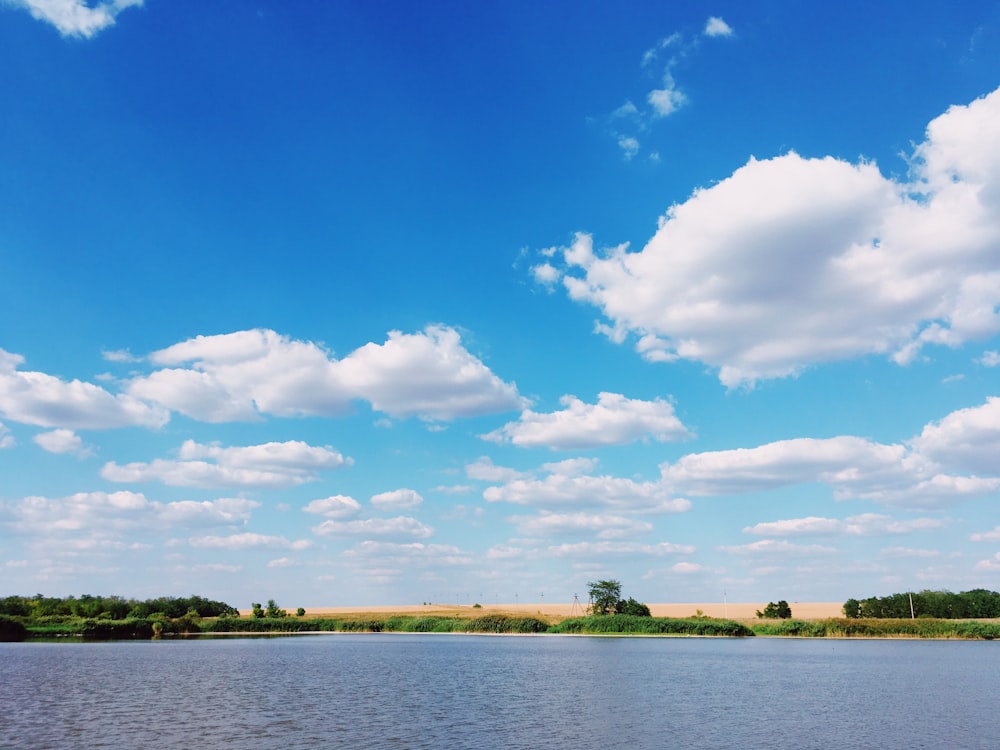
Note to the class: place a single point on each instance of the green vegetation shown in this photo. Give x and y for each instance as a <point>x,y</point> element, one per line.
<point>11,629</point>
<point>631,624</point>
<point>776,611</point>
<point>847,627</point>
<point>977,603</point>
<point>110,607</point>
<point>396,624</point>
<point>606,599</point>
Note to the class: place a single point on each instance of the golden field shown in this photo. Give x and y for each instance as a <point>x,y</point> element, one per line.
<point>555,612</point>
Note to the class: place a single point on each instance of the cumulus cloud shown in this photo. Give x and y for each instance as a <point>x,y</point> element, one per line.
<point>270,465</point>
<point>244,374</point>
<point>6,439</point>
<point>604,526</point>
<point>99,515</point>
<point>967,439</point>
<point>485,470</point>
<point>46,401</point>
<point>987,536</point>
<point>992,563</point>
<point>588,550</point>
<point>62,441</point>
<point>866,524</point>
<point>716,27</point>
<point>613,420</point>
<point>335,506</point>
<point>926,474</point>
<point>400,526</point>
<point>401,499</point>
<point>75,17</point>
<point>563,490</point>
<point>989,359</point>
<point>791,262</point>
<point>249,540</point>
<point>778,548</point>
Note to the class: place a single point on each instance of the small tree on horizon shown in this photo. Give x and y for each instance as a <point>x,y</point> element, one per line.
<point>776,611</point>
<point>604,596</point>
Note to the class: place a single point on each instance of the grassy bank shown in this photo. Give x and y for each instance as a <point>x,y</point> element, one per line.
<point>15,629</point>
<point>630,625</point>
<point>879,628</point>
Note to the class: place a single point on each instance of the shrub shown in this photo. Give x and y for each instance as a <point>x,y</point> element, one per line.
<point>12,629</point>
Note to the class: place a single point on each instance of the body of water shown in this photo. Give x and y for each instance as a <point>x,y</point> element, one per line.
<point>425,691</point>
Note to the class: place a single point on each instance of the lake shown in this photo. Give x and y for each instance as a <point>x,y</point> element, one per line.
<point>456,691</point>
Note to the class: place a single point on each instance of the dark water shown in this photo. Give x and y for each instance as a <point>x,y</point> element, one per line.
<point>420,691</point>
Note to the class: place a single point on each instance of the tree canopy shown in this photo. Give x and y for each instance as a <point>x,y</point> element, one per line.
<point>606,599</point>
<point>776,611</point>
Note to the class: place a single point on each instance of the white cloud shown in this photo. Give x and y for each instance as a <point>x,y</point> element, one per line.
<point>226,511</point>
<point>75,17</point>
<point>400,526</point>
<point>249,540</point>
<point>6,439</point>
<point>843,461</point>
<point>715,27</point>
<point>600,549</point>
<point>989,359</point>
<point>854,468</point>
<point>630,147</point>
<point>100,515</point>
<point>967,439</point>
<point>282,562</point>
<point>987,536</point>
<point>613,420</point>
<point>992,563</point>
<point>244,374</point>
<point>335,506</point>
<point>867,264</point>
<point>908,552</point>
<point>401,499</point>
<point>46,401</point>
<point>62,441</point>
<point>483,469</point>
<point>409,554</point>
<point>667,100</point>
<point>866,524</point>
<point>120,356</point>
<point>546,273</point>
<point>604,526</point>
<point>686,568</point>
<point>270,465</point>
<point>561,490</point>
<point>778,548</point>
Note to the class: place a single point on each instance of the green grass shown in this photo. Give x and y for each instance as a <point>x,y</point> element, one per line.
<point>631,625</point>
<point>879,628</point>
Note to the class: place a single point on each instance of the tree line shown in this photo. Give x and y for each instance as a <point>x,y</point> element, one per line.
<point>977,603</point>
<point>88,606</point>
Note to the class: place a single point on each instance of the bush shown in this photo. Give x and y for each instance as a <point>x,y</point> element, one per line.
<point>641,625</point>
<point>11,629</point>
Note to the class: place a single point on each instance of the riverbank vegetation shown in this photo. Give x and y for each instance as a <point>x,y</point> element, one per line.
<point>850,627</point>
<point>977,603</point>
<point>45,618</point>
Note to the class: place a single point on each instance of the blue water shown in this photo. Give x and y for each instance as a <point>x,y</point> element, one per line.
<point>425,691</point>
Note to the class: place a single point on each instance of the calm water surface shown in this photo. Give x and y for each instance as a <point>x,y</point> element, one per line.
<point>423,691</point>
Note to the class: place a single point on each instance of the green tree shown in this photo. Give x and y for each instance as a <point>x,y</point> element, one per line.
<point>273,610</point>
<point>852,608</point>
<point>604,596</point>
<point>631,607</point>
<point>256,609</point>
<point>776,611</point>
<point>300,612</point>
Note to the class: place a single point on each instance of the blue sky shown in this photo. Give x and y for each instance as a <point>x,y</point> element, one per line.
<point>381,303</point>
